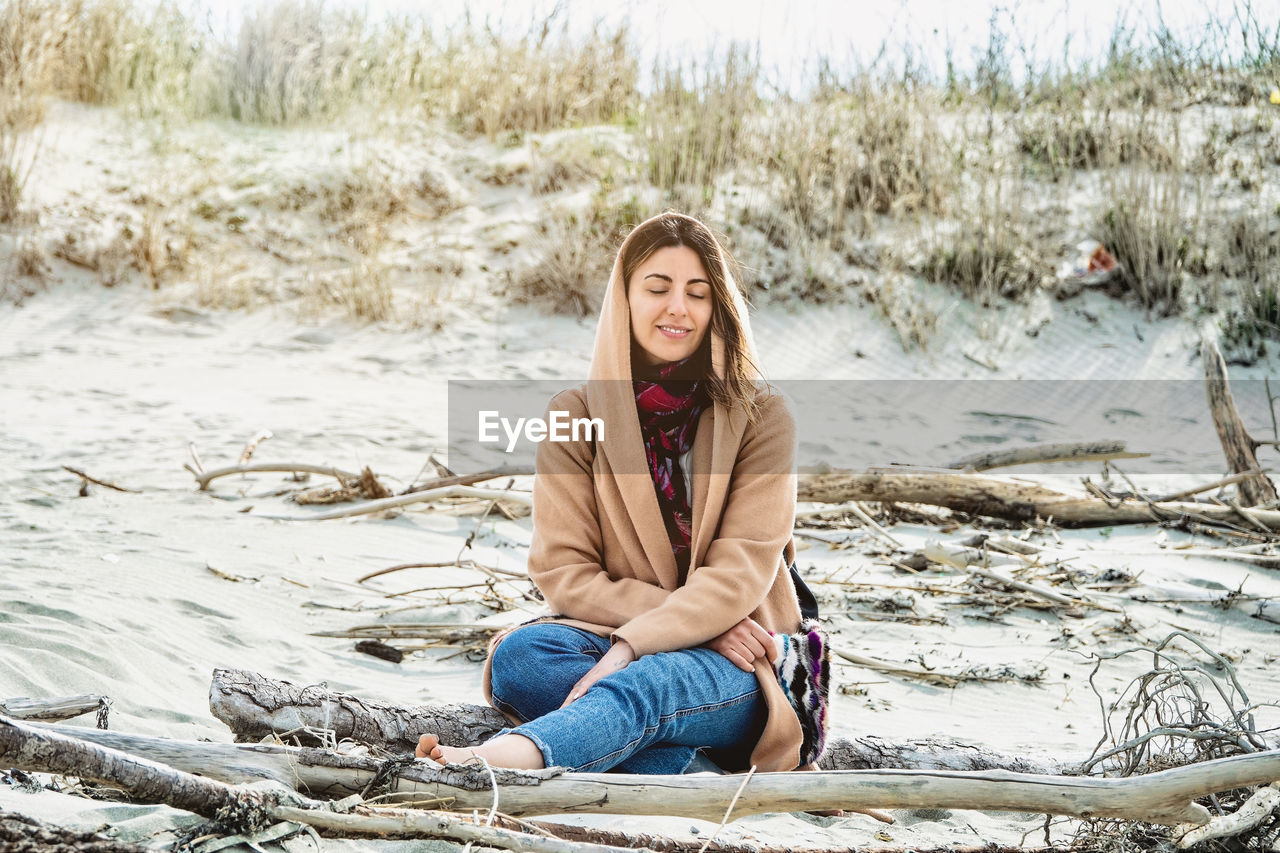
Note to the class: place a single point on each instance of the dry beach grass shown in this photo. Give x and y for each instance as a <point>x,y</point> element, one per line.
<point>1166,150</point>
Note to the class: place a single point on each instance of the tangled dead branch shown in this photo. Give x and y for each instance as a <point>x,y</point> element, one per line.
<point>1171,715</point>
<point>364,487</point>
<point>1190,707</point>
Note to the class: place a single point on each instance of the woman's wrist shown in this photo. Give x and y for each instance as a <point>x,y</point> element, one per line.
<point>622,649</point>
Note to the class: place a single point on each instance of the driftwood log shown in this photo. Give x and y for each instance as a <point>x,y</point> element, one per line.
<point>1163,797</point>
<point>255,707</point>
<point>21,833</point>
<point>51,709</point>
<point>1012,500</point>
<point>240,808</point>
<point>26,747</point>
<point>1237,444</point>
<point>1083,451</point>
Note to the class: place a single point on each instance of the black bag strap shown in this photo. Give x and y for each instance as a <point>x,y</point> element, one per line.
<point>808,602</point>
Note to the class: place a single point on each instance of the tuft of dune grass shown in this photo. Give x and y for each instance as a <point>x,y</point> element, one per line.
<point>848,156</point>
<point>575,258</point>
<point>989,254</point>
<point>695,121</point>
<point>1155,227</point>
<point>942,179</point>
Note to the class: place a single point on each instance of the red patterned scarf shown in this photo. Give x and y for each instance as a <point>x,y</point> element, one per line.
<point>669,407</point>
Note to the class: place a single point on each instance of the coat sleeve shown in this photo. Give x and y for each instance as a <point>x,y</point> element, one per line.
<point>566,552</point>
<point>742,563</point>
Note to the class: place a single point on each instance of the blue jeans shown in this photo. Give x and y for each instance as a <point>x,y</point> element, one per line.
<point>654,716</point>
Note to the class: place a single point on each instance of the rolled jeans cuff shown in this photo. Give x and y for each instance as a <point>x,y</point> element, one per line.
<point>547,760</point>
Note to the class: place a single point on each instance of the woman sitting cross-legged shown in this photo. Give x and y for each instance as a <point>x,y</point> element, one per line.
<point>664,548</point>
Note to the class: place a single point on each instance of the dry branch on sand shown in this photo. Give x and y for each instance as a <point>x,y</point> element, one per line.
<point>1170,713</point>
<point>85,480</point>
<point>1085,451</point>
<point>204,478</point>
<point>1236,442</point>
<point>1018,500</point>
<point>158,770</point>
<point>255,707</point>
<point>363,487</point>
<point>1008,499</point>
<point>1164,797</point>
<point>979,563</point>
<point>523,499</point>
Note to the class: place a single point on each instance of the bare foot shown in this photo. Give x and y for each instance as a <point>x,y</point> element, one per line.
<point>429,748</point>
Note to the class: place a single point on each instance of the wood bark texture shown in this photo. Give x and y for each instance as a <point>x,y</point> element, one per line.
<point>53,708</point>
<point>204,478</point>
<point>41,750</point>
<point>254,707</point>
<point>1012,500</point>
<point>1238,446</point>
<point>1081,451</point>
<point>1163,797</point>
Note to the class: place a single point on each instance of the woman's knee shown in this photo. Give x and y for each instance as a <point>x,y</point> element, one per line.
<point>528,648</point>
<point>534,667</point>
<point>676,683</point>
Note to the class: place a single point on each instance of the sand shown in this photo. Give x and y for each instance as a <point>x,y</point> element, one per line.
<point>116,593</point>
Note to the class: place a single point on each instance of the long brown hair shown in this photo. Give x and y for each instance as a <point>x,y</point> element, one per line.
<point>737,388</point>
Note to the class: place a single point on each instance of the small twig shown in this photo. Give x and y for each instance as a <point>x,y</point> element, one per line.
<point>897,669</point>
<point>252,445</point>
<point>404,500</point>
<point>198,468</point>
<point>449,587</point>
<point>1216,484</point>
<point>988,365</point>
<point>442,470</point>
<point>861,513</point>
<point>1271,407</point>
<point>493,782</point>
<point>1248,516</point>
<point>414,630</point>
<point>469,479</point>
<point>227,576</point>
<point>461,564</point>
<point>728,811</point>
<point>83,476</point>
<point>203,478</point>
<point>475,528</point>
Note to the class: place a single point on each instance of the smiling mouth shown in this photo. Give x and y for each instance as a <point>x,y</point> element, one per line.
<point>672,330</point>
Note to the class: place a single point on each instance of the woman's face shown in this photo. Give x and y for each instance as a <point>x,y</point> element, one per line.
<point>670,300</point>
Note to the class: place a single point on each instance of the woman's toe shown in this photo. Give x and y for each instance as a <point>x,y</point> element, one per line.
<point>429,747</point>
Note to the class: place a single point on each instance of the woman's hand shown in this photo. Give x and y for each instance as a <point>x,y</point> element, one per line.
<point>614,660</point>
<point>744,644</point>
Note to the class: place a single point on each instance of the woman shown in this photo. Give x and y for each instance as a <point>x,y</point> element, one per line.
<point>664,547</point>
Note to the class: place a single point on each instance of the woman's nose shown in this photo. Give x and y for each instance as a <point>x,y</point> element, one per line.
<point>675,303</point>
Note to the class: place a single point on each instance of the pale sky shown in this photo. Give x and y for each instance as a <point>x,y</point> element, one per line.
<point>791,35</point>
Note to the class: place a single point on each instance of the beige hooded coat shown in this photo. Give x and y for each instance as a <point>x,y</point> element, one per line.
<point>600,552</point>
